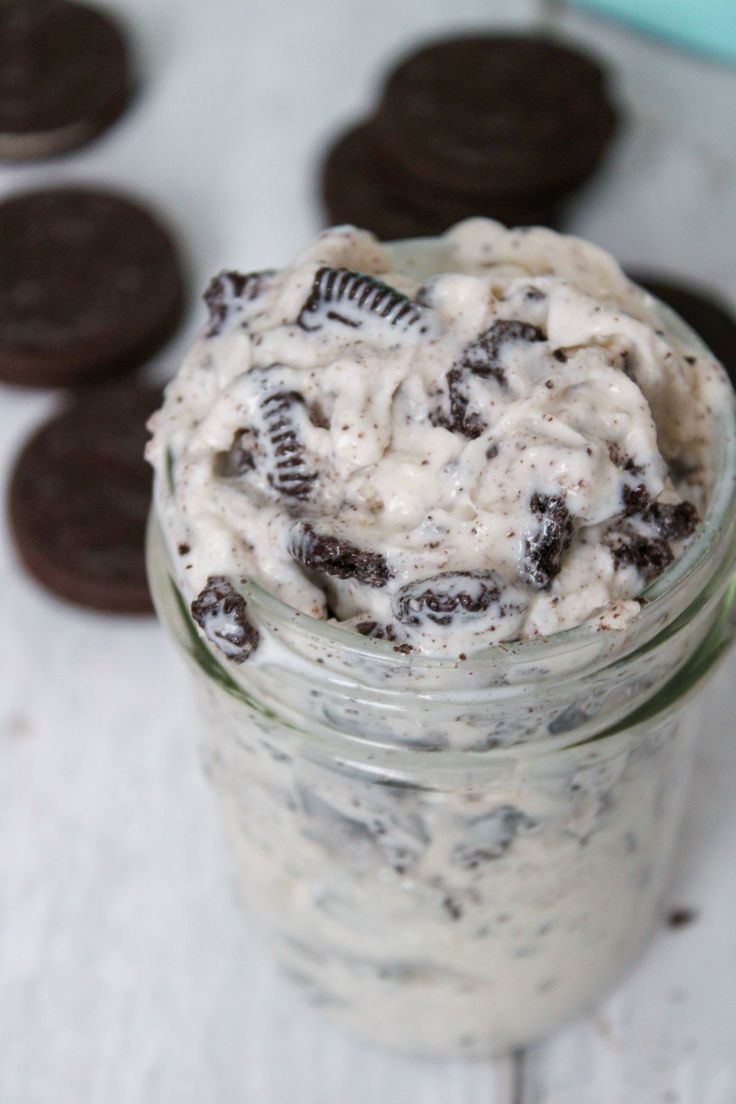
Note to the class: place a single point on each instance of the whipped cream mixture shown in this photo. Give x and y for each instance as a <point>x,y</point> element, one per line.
<point>484,437</point>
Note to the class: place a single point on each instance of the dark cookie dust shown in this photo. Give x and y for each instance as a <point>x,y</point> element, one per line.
<point>681,917</point>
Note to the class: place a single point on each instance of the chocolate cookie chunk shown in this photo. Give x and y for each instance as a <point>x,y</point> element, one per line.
<point>361,188</point>
<point>711,318</point>
<point>89,284</point>
<point>350,298</point>
<point>291,475</point>
<point>455,596</point>
<point>79,497</point>
<point>338,557</point>
<point>64,76</point>
<point>544,546</point>
<point>489,837</point>
<point>221,612</point>
<point>235,295</point>
<point>483,358</point>
<point>649,555</point>
<point>496,113</point>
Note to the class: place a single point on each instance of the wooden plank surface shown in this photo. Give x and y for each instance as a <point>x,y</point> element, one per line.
<point>126,972</point>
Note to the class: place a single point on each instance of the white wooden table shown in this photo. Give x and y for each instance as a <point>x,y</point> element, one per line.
<point>127,975</point>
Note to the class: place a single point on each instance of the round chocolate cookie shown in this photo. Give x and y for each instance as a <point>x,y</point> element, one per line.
<point>496,114</point>
<point>64,76</point>
<point>90,283</point>
<point>704,311</point>
<point>359,188</point>
<point>79,497</point>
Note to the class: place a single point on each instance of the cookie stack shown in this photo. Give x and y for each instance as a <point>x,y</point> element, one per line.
<point>91,286</point>
<point>507,126</point>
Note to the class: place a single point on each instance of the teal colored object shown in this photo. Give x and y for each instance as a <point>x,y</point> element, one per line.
<point>705,25</point>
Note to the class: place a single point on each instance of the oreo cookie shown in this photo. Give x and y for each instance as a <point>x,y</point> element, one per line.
<point>65,76</point>
<point>710,316</point>
<point>79,498</point>
<point>359,186</point>
<point>90,284</point>
<point>496,114</point>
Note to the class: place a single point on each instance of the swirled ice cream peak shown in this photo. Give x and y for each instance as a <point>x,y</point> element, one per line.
<point>444,443</point>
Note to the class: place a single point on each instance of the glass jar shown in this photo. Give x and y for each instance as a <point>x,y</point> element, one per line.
<point>453,858</point>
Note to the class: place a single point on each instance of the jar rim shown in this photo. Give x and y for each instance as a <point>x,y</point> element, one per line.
<point>661,601</point>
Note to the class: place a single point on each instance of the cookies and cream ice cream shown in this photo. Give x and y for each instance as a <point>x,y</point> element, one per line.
<point>446,444</point>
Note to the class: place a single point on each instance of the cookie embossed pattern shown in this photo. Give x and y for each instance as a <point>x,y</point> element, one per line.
<point>446,531</point>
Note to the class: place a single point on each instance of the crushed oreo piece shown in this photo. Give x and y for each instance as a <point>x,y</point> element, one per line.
<point>370,828</point>
<point>489,837</point>
<point>338,557</point>
<point>673,521</point>
<point>238,459</point>
<point>221,612</point>
<point>291,475</point>
<point>543,548</point>
<point>681,917</point>
<point>443,598</point>
<point>230,291</point>
<point>340,295</point>
<point>452,907</point>
<point>649,555</point>
<point>482,357</point>
<point>460,421</point>
<point>571,717</point>
<point>635,499</point>
<point>376,631</point>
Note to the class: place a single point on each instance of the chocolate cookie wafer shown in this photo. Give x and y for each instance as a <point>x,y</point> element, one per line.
<point>90,283</point>
<point>495,114</point>
<point>65,76</point>
<point>358,187</point>
<point>79,497</point>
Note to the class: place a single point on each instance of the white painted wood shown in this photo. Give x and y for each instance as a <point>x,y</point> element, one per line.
<point>668,1036</point>
<point>127,975</point>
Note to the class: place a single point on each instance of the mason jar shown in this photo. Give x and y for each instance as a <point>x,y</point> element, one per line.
<point>455,857</point>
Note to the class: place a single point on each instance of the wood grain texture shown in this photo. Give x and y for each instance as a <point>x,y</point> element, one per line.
<point>127,975</point>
